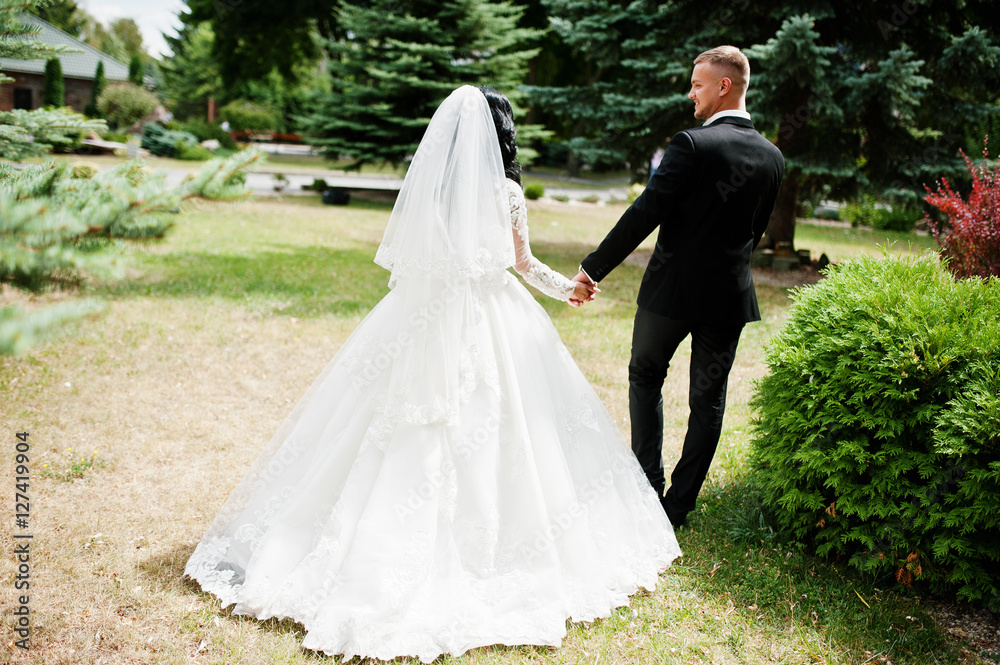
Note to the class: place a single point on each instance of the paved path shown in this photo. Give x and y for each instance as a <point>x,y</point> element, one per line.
<point>263,183</point>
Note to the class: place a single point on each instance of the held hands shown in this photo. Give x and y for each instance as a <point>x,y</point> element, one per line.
<point>585,290</point>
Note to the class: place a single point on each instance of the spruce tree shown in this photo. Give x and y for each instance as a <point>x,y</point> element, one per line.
<point>858,96</point>
<point>95,91</point>
<point>53,86</point>
<point>399,60</point>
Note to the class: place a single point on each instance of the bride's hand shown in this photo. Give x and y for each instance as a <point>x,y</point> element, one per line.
<point>582,293</point>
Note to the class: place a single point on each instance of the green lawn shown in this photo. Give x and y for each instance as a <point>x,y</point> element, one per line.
<point>207,344</point>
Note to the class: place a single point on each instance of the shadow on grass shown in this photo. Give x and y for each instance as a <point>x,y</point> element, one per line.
<point>292,281</point>
<point>736,553</point>
<point>313,281</point>
<point>167,571</point>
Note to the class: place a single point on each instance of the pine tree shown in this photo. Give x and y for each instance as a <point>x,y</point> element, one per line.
<point>859,96</point>
<point>53,86</point>
<point>400,60</point>
<point>95,91</point>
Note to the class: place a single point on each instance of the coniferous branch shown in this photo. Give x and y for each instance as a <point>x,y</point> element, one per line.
<point>31,133</point>
<point>16,37</point>
<point>20,330</point>
<point>59,225</point>
<point>53,222</point>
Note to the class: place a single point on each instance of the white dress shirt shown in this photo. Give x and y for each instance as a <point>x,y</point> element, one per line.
<point>731,112</point>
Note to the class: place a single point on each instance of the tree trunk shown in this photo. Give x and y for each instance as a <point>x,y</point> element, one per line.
<point>781,227</point>
<point>572,164</point>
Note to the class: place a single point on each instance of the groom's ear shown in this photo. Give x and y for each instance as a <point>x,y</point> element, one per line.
<point>725,85</point>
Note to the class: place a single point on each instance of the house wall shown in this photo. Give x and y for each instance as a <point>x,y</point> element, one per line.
<point>77,90</point>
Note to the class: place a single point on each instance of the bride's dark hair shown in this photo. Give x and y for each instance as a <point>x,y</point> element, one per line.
<point>503,118</point>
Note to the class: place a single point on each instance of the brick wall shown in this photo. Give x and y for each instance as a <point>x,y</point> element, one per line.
<point>77,90</point>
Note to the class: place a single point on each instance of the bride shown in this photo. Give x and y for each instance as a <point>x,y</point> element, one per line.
<point>450,480</point>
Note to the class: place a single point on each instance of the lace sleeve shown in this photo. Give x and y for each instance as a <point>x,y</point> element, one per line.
<point>536,273</point>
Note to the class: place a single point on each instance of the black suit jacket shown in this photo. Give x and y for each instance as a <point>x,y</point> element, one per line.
<point>711,196</point>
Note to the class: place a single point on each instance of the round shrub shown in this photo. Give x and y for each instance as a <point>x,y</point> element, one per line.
<point>877,429</point>
<point>243,115</point>
<point>124,104</point>
<point>534,191</point>
<point>196,152</point>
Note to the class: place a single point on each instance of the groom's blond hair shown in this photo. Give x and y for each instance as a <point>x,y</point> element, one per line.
<point>733,64</point>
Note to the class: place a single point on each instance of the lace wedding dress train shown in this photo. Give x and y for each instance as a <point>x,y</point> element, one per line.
<point>449,481</point>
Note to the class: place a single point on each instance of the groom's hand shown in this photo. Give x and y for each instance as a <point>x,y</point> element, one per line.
<point>586,288</point>
<point>581,294</point>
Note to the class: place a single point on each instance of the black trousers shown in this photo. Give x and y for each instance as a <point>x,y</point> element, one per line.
<point>713,348</point>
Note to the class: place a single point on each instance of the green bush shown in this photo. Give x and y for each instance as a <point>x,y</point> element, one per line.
<point>242,114</point>
<point>206,131</point>
<point>534,191</point>
<point>881,217</point>
<point>877,429</point>
<point>317,185</point>
<point>897,218</point>
<point>117,137</point>
<point>825,212</point>
<point>162,142</point>
<point>124,104</point>
<point>196,152</point>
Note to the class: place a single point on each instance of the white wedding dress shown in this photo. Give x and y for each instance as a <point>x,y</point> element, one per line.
<point>449,481</point>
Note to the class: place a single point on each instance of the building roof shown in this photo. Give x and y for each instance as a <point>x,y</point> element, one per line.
<point>74,65</point>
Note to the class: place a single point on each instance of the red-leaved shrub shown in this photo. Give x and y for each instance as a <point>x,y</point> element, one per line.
<point>970,237</point>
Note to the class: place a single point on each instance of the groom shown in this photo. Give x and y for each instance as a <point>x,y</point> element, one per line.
<point>711,198</point>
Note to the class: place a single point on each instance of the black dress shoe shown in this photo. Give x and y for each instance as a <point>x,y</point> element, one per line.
<point>677,518</point>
